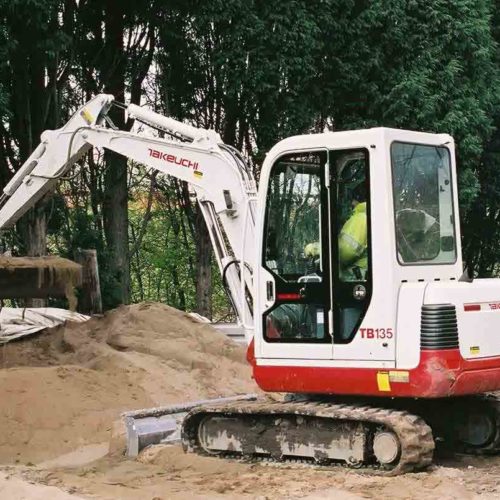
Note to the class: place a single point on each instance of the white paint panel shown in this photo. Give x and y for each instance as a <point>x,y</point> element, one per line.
<point>410,300</point>
<point>478,331</point>
<point>292,351</point>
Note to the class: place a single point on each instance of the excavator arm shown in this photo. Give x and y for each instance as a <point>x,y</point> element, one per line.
<point>225,187</point>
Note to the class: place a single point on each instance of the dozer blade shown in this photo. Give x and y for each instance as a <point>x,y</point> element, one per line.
<point>163,424</point>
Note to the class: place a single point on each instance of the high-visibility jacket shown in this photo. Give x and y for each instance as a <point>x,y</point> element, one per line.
<point>353,240</point>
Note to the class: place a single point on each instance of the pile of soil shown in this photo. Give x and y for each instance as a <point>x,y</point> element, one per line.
<point>64,389</point>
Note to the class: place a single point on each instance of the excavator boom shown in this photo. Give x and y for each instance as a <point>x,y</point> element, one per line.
<point>224,185</point>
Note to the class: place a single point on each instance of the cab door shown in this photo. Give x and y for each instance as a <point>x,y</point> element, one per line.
<point>348,189</point>
<point>316,263</point>
<point>295,273</point>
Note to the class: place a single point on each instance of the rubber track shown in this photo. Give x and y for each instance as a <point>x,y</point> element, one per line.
<point>493,401</point>
<point>415,436</point>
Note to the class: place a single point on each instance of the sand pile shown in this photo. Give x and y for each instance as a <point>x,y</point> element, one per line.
<point>63,389</point>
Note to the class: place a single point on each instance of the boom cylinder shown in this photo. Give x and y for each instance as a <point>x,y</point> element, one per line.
<point>172,126</point>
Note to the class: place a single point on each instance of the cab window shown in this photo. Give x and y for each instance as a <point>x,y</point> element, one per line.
<point>293,218</point>
<point>423,204</point>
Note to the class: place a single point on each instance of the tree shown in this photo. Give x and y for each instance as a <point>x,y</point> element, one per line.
<point>482,228</point>
<point>256,72</point>
<point>33,78</point>
<point>114,44</point>
<point>421,65</point>
<point>244,69</point>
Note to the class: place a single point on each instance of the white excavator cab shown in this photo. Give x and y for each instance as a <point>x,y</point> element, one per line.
<point>359,267</point>
<point>346,218</point>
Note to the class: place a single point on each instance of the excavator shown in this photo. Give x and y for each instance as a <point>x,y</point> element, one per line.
<point>378,363</point>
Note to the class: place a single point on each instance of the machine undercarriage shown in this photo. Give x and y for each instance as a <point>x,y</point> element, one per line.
<point>394,437</point>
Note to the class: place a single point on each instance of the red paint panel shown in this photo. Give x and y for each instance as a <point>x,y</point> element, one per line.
<point>472,307</point>
<point>288,296</point>
<point>440,374</point>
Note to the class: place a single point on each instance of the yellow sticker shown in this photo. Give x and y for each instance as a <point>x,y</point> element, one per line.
<point>474,350</point>
<point>198,174</point>
<point>383,382</point>
<point>87,116</point>
<point>399,376</point>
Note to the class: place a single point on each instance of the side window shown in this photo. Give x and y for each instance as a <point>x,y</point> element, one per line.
<point>352,223</point>
<point>351,214</point>
<point>293,220</point>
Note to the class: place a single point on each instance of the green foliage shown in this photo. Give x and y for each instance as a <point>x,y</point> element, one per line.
<point>419,65</point>
<point>481,228</point>
<point>245,68</point>
<point>162,266</point>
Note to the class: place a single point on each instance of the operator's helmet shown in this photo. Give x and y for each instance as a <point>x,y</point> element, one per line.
<point>359,192</point>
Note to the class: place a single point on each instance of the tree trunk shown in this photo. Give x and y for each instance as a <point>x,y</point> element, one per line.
<point>115,213</point>
<point>204,268</point>
<point>90,301</point>
<point>33,230</point>
<point>115,202</point>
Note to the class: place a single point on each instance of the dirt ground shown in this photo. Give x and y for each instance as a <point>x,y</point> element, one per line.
<point>62,393</point>
<point>165,472</point>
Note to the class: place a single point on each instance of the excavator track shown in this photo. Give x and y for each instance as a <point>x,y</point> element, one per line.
<point>493,402</point>
<point>383,440</point>
<point>469,424</point>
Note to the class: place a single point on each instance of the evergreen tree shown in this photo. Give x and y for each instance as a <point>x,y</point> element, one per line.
<point>417,65</point>
<point>32,78</point>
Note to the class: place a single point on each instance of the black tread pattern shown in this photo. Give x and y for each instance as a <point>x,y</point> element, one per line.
<point>415,436</point>
<point>492,401</point>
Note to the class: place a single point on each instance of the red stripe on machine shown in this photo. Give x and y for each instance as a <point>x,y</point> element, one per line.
<point>472,307</point>
<point>288,296</point>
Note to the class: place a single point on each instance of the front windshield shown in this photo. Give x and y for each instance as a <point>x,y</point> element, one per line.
<point>293,236</point>
<point>423,204</point>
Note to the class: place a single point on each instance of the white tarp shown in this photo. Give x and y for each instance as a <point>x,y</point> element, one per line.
<point>17,322</point>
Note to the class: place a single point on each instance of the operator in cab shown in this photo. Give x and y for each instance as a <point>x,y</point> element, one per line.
<point>353,239</point>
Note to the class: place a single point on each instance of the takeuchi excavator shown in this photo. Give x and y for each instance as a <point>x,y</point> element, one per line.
<point>379,362</point>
